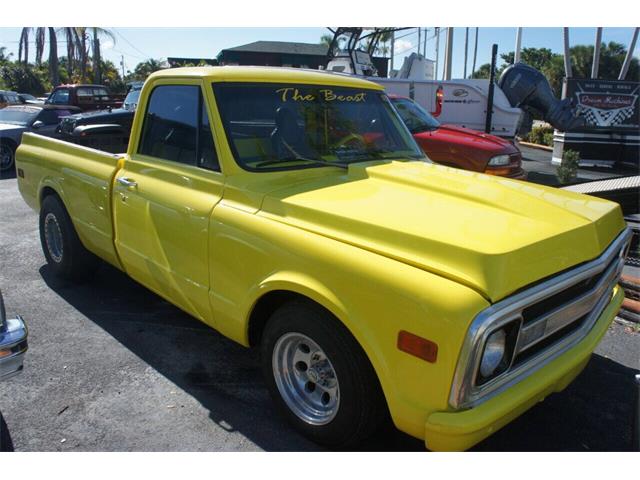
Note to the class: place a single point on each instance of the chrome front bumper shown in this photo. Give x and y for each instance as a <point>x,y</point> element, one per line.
<point>13,345</point>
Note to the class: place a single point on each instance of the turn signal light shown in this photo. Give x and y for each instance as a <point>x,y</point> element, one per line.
<point>417,346</point>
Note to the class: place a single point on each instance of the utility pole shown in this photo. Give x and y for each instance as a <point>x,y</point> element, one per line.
<point>419,42</point>
<point>448,54</point>
<point>393,43</point>
<point>595,65</point>
<point>475,53</point>
<point>466,50</point>
<point>516,55</point>
<point>424,47</point>
<point>435,77</point>
<point>627,59</point>
<point>122,65</point>
<point>567,53</point>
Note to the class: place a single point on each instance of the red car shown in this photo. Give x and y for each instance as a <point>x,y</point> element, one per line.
<point>84,96</point>
<point>457,146</point>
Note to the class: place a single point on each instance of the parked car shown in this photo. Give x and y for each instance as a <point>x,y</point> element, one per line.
<point>85,97</point>
<point>13,346</point>
<point>119,116</point>
<point>9,98</point>
<point>17,119</point>
<point>459,147</point>
<point>292,211</point>
<point>13,343</point>
<point>30,99</point>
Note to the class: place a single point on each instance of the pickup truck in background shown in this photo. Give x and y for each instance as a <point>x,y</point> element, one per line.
<point>85,97</point>
<point>292,211</point>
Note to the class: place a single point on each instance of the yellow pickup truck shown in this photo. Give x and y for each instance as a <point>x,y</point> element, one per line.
<point>292,211</point>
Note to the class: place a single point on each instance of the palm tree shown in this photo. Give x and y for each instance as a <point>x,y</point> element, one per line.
<point>40,40</point>
<point>97,33</point>
<point>53,57</point>
<point>70,37</point>
<point>23,45</point>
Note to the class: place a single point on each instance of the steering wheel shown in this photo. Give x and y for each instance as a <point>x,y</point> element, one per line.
<point>350,138</point>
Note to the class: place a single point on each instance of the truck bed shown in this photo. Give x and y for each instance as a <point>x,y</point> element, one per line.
<point>82,176</point>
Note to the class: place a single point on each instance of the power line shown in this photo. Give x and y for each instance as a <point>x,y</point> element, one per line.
<point>132,45</point>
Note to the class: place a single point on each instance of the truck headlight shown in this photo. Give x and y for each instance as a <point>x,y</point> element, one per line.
<point>494,352</point>
<point>500,161</point>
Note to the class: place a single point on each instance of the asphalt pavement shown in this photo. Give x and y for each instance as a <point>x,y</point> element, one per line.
<point>113,367</point>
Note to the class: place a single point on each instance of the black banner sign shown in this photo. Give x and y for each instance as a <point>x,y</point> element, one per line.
<point>610,105</point>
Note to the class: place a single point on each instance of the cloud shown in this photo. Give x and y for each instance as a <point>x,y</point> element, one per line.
<point>106,44</point>
<point>403,46</point>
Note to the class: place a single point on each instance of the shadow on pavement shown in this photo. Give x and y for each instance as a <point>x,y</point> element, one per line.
<point>5,175</point>
<point>222,375</point>
<point>593,413</point>
<point>6,444</point>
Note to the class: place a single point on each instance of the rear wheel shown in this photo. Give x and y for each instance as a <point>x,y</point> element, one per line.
<point>319,376</point>
<point>62,248</point>
<point>7,156</point>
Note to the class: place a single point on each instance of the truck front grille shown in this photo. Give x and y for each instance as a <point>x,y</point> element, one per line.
<point>551,317</point>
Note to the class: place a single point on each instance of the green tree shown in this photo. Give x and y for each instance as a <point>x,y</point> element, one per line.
<point>483,71</point>
<point>146,68</point>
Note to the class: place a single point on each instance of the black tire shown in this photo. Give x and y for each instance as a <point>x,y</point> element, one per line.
<point>362,409</point>
<point>65,254</point>
<point>7,156</point>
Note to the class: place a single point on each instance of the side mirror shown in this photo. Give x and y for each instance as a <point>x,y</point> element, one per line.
<point>37,124</point>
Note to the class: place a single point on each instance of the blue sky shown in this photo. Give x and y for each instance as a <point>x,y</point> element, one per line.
<point>137,44</point>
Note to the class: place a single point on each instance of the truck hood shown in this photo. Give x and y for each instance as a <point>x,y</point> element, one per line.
<point>460,136</point>
<point>492,234</point>
<point>11,129</point>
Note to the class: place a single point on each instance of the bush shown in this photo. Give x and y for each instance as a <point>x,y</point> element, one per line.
<point>540,136</point>
<point>567,171</point>
<point>24,78</point>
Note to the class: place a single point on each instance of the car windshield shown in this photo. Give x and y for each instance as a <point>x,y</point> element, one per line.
<point>18,115</point>
<point>286,126</point>
<point>416,118</point>
<point>131,100</point>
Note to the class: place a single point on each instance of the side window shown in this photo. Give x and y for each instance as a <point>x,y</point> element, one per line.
<point>207,157</point>
<point>170,124</point>
<point>48,117</point>
<point>176,127</point>
<point>60,97</point>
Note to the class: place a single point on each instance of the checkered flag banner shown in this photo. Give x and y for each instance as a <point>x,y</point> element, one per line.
<point>606,109</point>
<point>605,118</point>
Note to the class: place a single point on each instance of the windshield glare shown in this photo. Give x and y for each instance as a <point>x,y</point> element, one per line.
<point>416,118</point>
<point>18,115</point>
<point>131,100</point>
<point>276,126</point>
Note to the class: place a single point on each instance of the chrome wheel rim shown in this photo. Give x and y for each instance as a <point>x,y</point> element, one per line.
<point>53,237</point>
<point>306,379</point>
<point>6,157</point>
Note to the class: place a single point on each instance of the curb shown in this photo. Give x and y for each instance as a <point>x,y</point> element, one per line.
<point>535,145</point>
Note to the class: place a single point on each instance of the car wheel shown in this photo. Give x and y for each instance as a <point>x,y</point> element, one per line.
<point>319,376</point>
<point>7,156</point>
<point>62,248</point>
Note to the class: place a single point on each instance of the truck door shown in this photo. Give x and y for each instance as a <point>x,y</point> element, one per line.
<point>164,195</point>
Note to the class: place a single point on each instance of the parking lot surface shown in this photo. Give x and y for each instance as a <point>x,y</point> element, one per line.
<point>113,367</point>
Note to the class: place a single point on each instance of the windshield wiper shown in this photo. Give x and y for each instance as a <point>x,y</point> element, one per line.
<point>301,159</point>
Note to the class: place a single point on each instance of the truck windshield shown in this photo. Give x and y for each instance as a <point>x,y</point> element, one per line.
<point>416,118</point>
<point>276,126</point>
<point>18,115</point>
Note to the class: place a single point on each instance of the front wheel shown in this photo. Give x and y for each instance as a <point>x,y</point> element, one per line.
<point>319,376</point>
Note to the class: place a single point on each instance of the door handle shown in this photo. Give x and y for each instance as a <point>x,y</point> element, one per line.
<point>127,182</point>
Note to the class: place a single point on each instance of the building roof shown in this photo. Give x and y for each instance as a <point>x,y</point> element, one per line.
<point>282,47</point>
<point>267,75</point>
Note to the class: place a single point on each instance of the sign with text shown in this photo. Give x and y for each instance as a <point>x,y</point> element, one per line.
<point>606,104</point>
